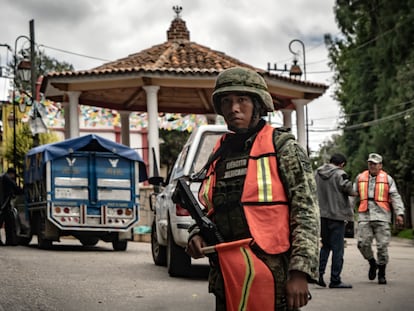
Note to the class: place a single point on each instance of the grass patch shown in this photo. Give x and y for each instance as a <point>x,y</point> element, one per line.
<point>406,234</point>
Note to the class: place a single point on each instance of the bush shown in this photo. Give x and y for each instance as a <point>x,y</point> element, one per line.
<point>406,234</point>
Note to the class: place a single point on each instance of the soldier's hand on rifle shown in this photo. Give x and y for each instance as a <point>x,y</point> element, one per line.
<point>194,247</point>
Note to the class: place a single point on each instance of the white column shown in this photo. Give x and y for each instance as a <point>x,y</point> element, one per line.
<point>125,137</point>
<point>66,130</point>
<point>73,125</point>
<point>153,132</point>
<point>300,121</point>
<point>287,118</point>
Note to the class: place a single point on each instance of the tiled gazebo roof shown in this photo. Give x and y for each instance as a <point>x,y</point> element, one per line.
<point>177,53</point>
<point>184,70</point>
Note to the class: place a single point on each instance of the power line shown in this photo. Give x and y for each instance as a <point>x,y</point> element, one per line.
<point>367,123</point>
<point>373,122</point>
<point>74,53</point>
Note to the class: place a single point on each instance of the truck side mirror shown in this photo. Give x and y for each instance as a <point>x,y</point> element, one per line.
<point>156,181</point>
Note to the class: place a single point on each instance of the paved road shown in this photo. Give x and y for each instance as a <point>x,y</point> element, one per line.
<point>70,277</point>
<point>368,295</point>
<point>74,278</point>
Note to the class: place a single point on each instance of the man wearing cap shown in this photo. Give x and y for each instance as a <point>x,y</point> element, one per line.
<point>378,195</point>
<point>8,189</point>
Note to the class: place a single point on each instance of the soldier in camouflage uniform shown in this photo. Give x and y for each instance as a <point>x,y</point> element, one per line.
<point>378,196</point>
<point>242,98</point>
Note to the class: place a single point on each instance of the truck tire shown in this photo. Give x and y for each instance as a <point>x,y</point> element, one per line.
<point>178,262</point>
<point>42,242</point>
<point>159,252</point>
<point>23,233</point>
<point>119,245</point>
<point>89,241</point>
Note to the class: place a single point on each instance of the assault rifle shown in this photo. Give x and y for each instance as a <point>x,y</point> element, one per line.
<point>208,230</point>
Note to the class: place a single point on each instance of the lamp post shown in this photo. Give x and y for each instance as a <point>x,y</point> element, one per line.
<point>304,74</point>
<point>26,71</point>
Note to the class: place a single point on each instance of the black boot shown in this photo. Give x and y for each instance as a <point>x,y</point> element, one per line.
<point>381,274</point>
<point>372,273</point>
<point>321,282</point>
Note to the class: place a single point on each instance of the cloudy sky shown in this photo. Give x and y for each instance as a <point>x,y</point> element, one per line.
<point>88,33</point>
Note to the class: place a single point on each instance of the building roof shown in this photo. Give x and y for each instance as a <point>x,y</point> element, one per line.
<point>184,70</point>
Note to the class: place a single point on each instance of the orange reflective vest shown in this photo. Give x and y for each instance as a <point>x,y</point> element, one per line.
<point>381,191</point>
<point>264,199</point>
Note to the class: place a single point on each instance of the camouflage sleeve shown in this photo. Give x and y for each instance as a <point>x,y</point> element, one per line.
<point>395,198</point>
<point>300,186</point>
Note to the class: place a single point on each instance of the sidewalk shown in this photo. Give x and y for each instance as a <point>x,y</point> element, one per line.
<point>368,295</point>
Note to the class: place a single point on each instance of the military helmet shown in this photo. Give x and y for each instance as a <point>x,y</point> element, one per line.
<point>238,79</point>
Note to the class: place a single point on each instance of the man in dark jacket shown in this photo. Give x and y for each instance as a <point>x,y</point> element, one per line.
<point>333,188</point>
<point>8,189</point>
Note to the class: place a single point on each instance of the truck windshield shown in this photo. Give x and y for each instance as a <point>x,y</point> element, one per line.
<point>205,149</point>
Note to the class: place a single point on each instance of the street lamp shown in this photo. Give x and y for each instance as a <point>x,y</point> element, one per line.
<point>295,70</point>
<point>295,54</point>
<point>25,71</point>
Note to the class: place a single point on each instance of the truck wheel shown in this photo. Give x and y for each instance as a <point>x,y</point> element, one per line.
<point>23,232</point>
<point>120,245</point>
<point>41,241</point>
<point>159,252</point>
<point>178,262</point>
<point>89,241</point>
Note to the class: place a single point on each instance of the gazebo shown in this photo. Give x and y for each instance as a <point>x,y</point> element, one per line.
<point>176,76</point>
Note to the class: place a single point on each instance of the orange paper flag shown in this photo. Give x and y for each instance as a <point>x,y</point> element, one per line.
<point>249,283</point>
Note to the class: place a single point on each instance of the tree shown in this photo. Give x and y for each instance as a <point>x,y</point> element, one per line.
<point>24,138</point>
<point>24,142</point>
<point>326,150</point>
<point>172,144</point>
<point>373,65</point>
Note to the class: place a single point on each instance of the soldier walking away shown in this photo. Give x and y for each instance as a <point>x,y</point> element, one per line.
<point>8,190</point>
<point>378,198</point>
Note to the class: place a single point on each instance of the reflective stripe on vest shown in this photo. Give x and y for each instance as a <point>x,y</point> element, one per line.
<point>264,200</point>
<point>381,191</point>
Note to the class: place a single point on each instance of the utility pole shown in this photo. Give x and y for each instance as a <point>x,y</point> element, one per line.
<point>33,77</point>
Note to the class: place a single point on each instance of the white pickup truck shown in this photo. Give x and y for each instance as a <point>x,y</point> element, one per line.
<point>171,221</point>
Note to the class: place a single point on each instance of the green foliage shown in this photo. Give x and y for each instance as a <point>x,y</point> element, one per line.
<point>326,150</point>
<point>406,234</point>
<point>24,142</point>
<point>373,63</point>
<point>24,139</point>
<point>171,146</point>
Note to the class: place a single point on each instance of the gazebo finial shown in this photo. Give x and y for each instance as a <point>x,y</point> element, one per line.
<point>177,9</point>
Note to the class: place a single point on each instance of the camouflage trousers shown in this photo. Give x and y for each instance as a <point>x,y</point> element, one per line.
<point>367,231</point>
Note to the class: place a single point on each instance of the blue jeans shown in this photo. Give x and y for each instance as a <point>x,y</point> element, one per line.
<point>332,234</point>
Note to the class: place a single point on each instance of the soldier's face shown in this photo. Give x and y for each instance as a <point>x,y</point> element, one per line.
<point>237,110</point>
<point>374,168</point>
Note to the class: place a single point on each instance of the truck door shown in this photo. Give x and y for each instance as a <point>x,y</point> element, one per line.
<point>96,188</point>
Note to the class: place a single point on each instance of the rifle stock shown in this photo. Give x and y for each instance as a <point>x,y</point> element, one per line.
<point>183,196</point>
